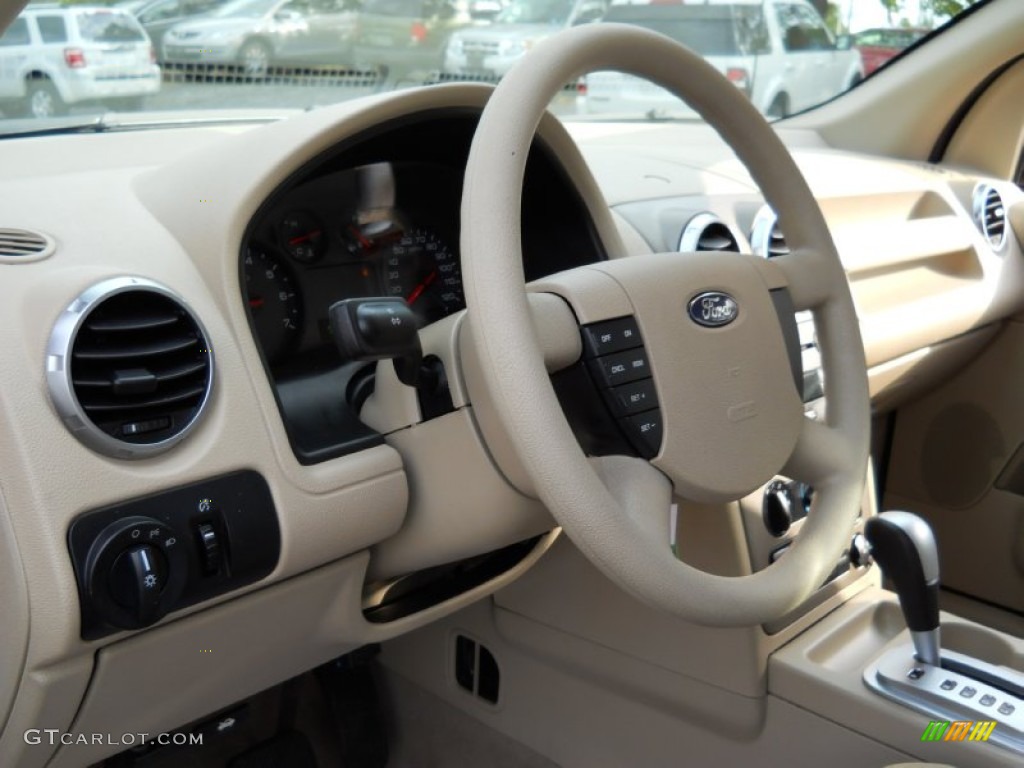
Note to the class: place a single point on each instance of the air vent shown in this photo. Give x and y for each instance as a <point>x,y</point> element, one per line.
<point>129,368</point>
<point>766,238</point>
<point>707,232</point>
<point>990,215</point>
<point>19,246</point>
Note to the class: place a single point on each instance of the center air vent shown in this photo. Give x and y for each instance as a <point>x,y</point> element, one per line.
<point>129,368</point>
<point>766,238</point>
<point>990,215</point>
<point>707,232</point>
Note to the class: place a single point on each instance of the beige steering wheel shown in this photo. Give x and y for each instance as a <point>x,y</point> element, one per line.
<point>732,415</point>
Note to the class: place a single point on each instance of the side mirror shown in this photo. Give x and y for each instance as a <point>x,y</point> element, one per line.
<point>844,42</point>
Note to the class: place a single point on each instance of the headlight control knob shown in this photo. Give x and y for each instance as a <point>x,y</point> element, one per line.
<point>136,570</point>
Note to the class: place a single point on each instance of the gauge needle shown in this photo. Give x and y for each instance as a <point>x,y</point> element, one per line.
<point>419,289</point>
<point>363,242</point>
<point>303,238</point>
<point>256,303</point>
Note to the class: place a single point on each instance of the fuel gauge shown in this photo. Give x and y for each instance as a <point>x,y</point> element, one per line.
<point>303,236</point>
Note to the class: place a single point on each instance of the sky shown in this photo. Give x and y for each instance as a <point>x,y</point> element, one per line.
<point>862,14</point>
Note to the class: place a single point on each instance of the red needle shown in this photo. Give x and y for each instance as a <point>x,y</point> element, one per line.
<point>363,242</point>
<point>419,289</point>
<point>303,238</point>
<point>256,303</point>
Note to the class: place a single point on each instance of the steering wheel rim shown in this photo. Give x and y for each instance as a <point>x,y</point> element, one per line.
<point>616,509</point>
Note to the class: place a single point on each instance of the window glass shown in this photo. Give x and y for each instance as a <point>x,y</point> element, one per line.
<point>109,27</point>
<point>161,11</point>
<point>801,29</point>
<point>52,29</point>
<point>409,8</point>
<point>16,34</point>
<point>716,30</point>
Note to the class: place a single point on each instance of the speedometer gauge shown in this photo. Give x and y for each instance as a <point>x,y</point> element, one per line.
<point>420,268</point>
<point>273,303</point>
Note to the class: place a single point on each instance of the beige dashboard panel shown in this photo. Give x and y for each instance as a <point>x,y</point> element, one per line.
<point>603,708</point>
<point>991,137</point>
<point>14,630</point>
<point>460,503</point>
<point>948,453</point>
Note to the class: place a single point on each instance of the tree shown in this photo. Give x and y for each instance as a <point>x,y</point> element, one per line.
<point>834,20</point>
<point>892,7</point>
<point>946,8</point>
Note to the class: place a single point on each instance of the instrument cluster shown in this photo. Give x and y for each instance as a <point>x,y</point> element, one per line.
<point>384,229</point>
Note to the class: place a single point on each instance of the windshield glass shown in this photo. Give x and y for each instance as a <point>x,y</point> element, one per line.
<point>243,9</point>
<point>108,27</point>
<point>187,61</point>
<point>536,12</point>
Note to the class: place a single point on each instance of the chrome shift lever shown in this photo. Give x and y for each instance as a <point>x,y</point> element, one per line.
<point>904,546</point>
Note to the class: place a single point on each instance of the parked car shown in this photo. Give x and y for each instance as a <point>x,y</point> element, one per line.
<point>405,39</point>
<point>53,56</point>
<point>489,51</point>
<point>251,36</point>
<point>877,46</point>
<point>779,52</point>
<point>485,10</point>
<point>158,16</point>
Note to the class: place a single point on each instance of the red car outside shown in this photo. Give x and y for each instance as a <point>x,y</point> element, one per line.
<point>877,46</point>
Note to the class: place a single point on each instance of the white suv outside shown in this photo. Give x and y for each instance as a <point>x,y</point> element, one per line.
<point>779,52</point>
<point>488,51</point>
<point>52,56</point>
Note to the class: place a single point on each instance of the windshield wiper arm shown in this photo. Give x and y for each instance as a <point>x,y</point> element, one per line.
<point>19,127</point>
<point>22,127</point>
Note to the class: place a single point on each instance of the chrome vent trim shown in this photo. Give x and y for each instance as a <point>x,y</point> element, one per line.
<point>707,232</point>
<point>129,368</point>
<point>21,246</point>
<point>766,238</point>
<point>990,215</point>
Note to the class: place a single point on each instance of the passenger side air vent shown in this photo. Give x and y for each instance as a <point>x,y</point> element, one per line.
<point>990,215</point>
<point>707,232</point>
<point>766,238</point>
<point>18,246</point>
<point>129,368</point>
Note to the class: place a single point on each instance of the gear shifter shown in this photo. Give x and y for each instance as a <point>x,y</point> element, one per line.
<point>904,546</point>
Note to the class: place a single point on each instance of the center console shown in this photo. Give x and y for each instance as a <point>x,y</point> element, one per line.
<point>951,683</point>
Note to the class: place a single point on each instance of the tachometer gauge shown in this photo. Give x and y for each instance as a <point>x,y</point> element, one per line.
<point>303,237</point>
<point>273,302</point>
<point>421,269</point>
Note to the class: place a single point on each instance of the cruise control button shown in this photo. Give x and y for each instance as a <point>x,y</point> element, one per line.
<point>635,397</point>
<point>611,336</point>
<point>645,429</point>
<point>623,367</point>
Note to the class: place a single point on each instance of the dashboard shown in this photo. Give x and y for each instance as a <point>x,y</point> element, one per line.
<point>354,201</point>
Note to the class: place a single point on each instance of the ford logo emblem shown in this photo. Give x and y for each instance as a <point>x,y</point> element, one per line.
<point>713,309</point>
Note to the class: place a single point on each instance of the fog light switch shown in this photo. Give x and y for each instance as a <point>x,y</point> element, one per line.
<point>210,551</point>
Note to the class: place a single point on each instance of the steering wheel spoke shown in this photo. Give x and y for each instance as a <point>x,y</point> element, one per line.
<point>810,278</point>
<point>821,453</point>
